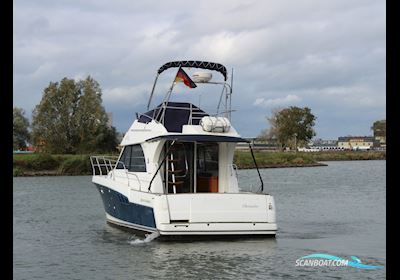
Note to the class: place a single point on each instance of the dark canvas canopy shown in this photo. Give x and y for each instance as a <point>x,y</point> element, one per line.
<point>176,115</point>
<point>195,64</point>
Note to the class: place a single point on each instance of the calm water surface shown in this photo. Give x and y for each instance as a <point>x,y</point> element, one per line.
<point>60,230</point>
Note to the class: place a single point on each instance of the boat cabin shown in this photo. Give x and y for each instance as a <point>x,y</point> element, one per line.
<point>189,158</point>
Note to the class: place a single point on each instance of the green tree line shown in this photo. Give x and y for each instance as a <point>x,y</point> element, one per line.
<point>70,119</point>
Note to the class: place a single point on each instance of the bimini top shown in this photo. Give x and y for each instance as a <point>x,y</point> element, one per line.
<point>195,64</point>
<point>176,115</point>
<point>198,137</point>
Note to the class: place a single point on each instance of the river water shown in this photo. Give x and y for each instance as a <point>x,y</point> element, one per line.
<point>60,230</point>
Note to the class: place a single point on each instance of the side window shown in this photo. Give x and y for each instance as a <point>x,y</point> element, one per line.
<point>137,160</point>
<point>124,158</point>
<point>133,159</point>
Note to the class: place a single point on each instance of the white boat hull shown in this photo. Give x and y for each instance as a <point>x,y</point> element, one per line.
<point>188,214</point>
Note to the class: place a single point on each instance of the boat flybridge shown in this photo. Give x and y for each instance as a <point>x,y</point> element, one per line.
<point>175,174</point>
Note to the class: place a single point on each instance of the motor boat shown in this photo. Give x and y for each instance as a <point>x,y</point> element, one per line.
<point>175,174</point>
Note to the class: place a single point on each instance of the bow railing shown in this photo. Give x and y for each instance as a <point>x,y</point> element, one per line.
<point>106,166</point>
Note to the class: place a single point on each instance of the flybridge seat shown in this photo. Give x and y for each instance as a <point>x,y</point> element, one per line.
<point>175,116</point>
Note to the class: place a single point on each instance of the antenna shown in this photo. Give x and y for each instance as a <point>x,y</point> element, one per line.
<point>230,96</point>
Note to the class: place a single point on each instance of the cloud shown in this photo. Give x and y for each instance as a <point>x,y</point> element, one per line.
<point>288,100</point>
<point>360,96</point>
<point>126,96</point>
<point>328,55</point>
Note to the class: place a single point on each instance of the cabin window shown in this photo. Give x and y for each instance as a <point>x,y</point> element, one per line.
<point>133,159</point>
<point>207,159</point>
<point>207,167</point>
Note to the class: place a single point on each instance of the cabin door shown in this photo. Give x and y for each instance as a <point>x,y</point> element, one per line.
<point>192,167</point>
<point>179,166</point>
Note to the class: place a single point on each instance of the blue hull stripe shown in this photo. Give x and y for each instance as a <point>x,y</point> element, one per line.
<point>118,206</point>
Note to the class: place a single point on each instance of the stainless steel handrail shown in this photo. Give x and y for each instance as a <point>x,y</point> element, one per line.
<point>110,164</point>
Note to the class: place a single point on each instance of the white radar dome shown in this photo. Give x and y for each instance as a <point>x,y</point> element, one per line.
<point>201,77</point>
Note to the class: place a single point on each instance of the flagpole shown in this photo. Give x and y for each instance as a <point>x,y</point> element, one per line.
<point>167,97</point>
<point>152,91</point>
<point>172,86</point>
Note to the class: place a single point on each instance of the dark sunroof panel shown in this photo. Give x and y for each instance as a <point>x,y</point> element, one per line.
<point>176,115</point>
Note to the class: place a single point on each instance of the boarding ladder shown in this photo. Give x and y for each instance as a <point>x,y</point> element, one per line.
<point>177,168</point>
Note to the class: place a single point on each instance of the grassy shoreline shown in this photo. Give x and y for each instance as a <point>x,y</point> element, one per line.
<point>62,165</point>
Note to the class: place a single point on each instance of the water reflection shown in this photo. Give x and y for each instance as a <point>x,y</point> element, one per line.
<point>205,260</point>
<point>201,259</point>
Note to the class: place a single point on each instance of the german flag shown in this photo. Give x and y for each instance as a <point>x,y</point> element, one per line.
<point>181,76</point>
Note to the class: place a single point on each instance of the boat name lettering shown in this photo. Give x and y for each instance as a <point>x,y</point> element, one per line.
<point>249,206</point>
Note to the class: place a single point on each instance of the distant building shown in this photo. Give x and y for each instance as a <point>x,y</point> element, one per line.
<point>356,142</point>
<point>259,144</point>
<point>321,142</point>
<point>321,145</point>
<point>31,148</point>
<point>311,149</point>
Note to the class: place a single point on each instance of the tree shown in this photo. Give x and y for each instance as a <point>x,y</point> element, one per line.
<point>94,133</point>
<point>71,119</point>
<point>270,133</point>
<point>20,129</point>
<point>292,126</point>
<point>379,128</point>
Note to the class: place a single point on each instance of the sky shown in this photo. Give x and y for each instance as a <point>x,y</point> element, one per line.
<point>328,55</point>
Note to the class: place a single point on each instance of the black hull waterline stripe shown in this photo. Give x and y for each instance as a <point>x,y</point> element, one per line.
<point>130,225</point>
